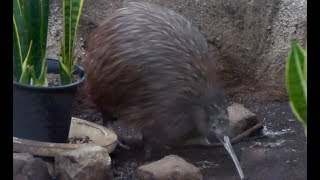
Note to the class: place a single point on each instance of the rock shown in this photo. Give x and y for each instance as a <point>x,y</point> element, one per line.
<point>19,160</point>
<point>20,177</point>
<point>241,118</point>
<point>84,164</point>
<point>25,166</point>
<point>51,169</point>
<point>37,170</point>
<point>170,167</point>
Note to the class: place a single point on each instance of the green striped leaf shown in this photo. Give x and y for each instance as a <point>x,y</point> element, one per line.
<point>30,24</point>
<point>296,81</point>
<point>64,73</point>
<point>26,76</point>
<point>19,45</point>
<point>71,15</point>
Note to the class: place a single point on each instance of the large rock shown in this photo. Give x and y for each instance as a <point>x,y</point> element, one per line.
<point>84,164</point>
<point>19,160</point>
<point>170,167</point>
<point>25,166</point>
<point>250,39</point>
<point>241,118</point>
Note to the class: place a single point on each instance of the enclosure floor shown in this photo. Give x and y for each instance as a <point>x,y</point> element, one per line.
<point>278,157</point>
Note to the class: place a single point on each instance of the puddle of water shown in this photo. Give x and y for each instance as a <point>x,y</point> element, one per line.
<point>288,130</point>
<point>276,144</point>
<point>227,145</point>
<point>255,144</point>
<point>270,133</point>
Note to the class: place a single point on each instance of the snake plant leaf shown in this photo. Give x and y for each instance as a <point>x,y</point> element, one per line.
<point>25,76</point>
<point>19,46</point>
<point>71,16</point>
<point>30,24</point>
<point>64,73</point>
<point>26,70</point>
<point>296,81</point>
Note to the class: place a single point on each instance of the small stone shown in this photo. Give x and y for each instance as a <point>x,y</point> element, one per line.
<point>20,177</point>
<point>36,170</point>
<point>86,163</point>
<point>170,167</point>
<point>25,166</point>
<point>241,119</point>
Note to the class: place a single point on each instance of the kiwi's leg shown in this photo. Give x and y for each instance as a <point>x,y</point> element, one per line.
<point>147,147</point>
<point>152,148</point>
<point>108,120</point>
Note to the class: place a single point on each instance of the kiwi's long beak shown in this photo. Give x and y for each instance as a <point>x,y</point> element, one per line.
<point>216,133</point>
<point>224,139</point>
<point>228,147</point>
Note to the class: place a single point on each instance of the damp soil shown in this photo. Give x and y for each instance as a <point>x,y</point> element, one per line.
<point>281,153</point>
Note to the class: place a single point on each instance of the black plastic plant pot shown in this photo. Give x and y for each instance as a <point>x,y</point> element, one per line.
<point>44,113</point>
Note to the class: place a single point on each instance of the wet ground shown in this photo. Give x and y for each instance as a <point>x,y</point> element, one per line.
<point>281,154</point>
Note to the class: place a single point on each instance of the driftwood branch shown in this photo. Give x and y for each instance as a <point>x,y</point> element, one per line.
<point>241,136</point>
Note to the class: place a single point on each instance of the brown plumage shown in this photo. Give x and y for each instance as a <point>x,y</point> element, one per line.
<point>150,67</point>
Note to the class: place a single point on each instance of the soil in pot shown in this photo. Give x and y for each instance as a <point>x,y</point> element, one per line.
<point>55,80</point>
<point>80,140</point>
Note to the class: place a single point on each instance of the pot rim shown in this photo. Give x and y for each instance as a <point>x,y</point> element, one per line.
<point>71,85</point>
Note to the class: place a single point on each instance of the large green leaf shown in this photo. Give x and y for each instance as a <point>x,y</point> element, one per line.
<point>19,45</point>
<point>26,76</point>
<point>296,80</point>
<point>30,24</point>
<point>71,15</point>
